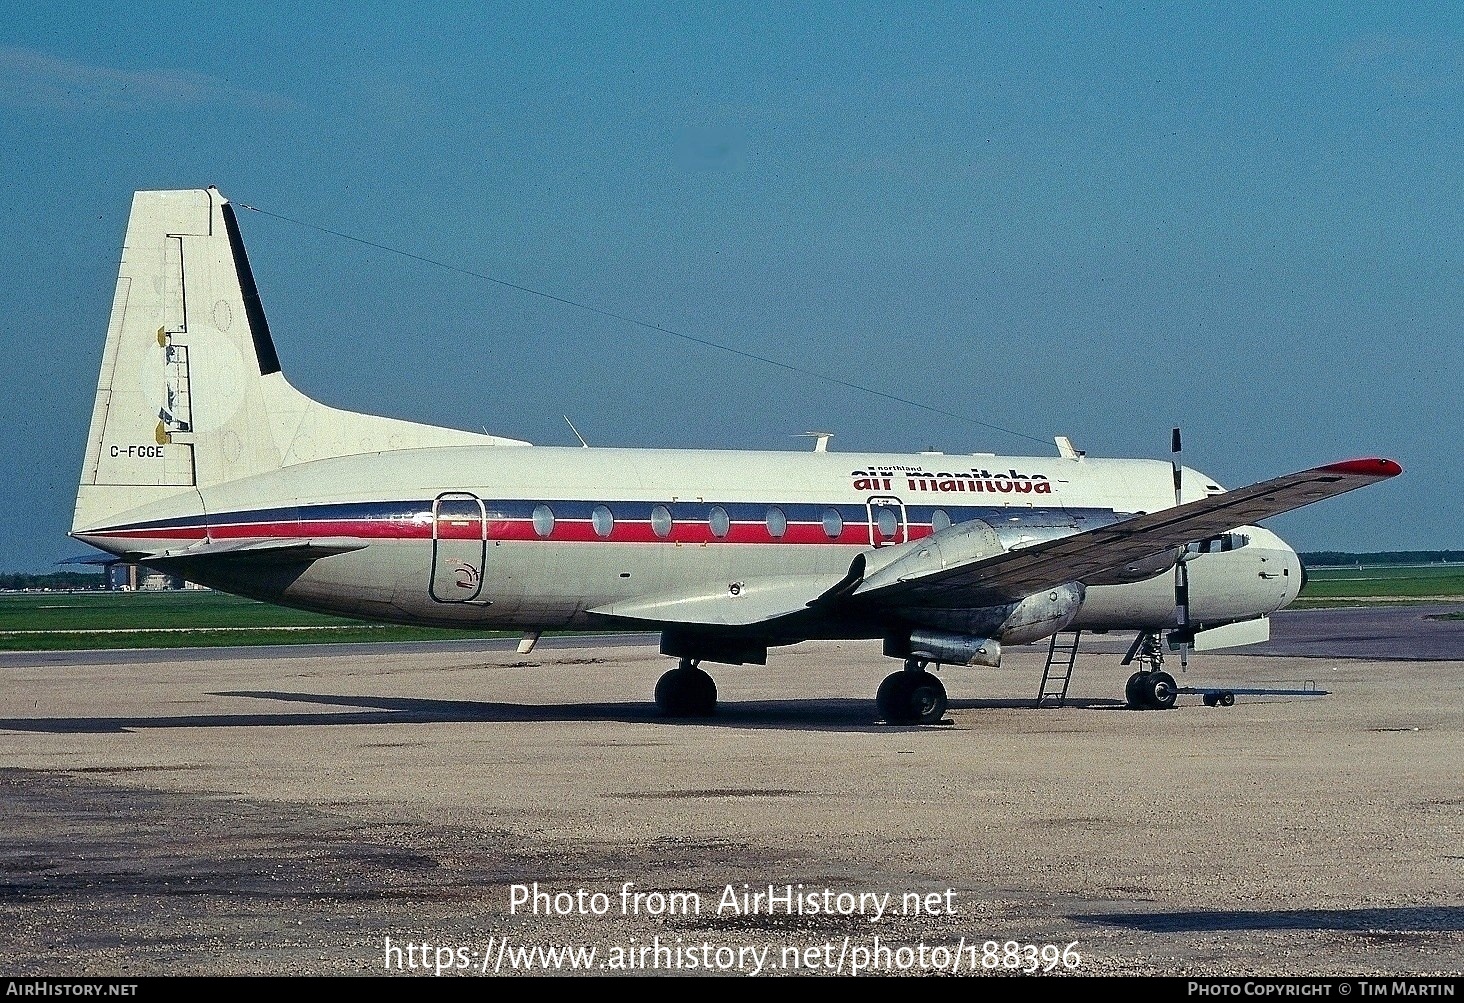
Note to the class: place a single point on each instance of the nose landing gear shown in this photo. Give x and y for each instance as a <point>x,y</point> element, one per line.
<point>1150,688</point>
<point>1151,691</point>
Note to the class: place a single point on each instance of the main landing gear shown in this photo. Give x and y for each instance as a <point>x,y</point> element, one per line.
<point>1151,688</point>
<point>911,696</point>
<point>686,691</point>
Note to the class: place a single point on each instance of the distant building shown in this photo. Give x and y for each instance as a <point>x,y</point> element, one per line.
<point>124,577</point>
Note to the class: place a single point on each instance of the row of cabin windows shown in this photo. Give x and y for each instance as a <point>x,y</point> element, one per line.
<point>720,523</point>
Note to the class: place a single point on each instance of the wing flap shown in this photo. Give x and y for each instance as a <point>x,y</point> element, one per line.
<point>736,604</point>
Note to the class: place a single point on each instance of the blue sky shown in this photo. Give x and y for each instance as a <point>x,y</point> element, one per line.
<point>1097,221</point>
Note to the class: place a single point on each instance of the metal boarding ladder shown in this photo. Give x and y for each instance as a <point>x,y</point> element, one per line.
<point>1058,671</point>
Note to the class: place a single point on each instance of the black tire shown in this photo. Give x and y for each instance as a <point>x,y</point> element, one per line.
<point>1212,699</point>
<point>892,699</point>
<point>928,699</point>
<point>1133,692</point>
<point>1227,699</point>
<point>687,692</point>
<point>1162,691</point>
<point>911,698</point>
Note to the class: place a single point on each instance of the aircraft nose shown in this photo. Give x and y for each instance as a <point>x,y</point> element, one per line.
<point>1296,581</point>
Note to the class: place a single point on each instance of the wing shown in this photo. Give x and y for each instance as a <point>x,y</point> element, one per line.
<point>918,578</point>
<point>739,604</point>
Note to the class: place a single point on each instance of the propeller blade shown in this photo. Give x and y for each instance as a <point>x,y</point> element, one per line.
<point>1181,569</point>
<point>1174,447</point>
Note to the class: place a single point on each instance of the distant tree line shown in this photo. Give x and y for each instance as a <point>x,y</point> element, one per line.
<point>1332,558</point>
<point>54,580</point>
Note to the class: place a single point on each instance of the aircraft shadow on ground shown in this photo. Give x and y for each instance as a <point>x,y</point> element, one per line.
<point>814,714</point>
<point>1403,921</point>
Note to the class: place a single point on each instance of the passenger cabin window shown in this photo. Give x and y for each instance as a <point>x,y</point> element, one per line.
<point>777,523</point>
<point>719,521</point>
<point>833,523</point>
<point>661,521</point>
<point>887,521</point>
<point>939,519</point>
<point>543,520</point>
<point>602,520</point>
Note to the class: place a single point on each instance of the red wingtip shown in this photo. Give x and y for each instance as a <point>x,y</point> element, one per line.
<point>1372,467</point>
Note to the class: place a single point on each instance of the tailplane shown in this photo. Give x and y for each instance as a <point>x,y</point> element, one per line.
<point>191,392</point>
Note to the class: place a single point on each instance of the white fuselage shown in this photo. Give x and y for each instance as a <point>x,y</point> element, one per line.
<point>533,537</point>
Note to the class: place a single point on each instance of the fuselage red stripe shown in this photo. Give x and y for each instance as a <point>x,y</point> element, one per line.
<point>522,530</point>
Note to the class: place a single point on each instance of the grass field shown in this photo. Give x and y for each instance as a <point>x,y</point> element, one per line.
<point>1326,586</point>
<point>63,621</point>
<point>60,621</point>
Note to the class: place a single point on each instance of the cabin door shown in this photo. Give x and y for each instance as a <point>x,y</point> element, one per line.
<point>459,545</point>
<point>887,525</point>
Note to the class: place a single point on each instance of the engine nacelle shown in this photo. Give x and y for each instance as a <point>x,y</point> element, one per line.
<point>1035,617</point>
<point>968,541</point>
<point>971,636</point>
<point>946,647</point>
<point>953,649</point>
<point>1043,614</point>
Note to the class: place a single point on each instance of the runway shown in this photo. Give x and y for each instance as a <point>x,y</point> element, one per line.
<point>242,811</point>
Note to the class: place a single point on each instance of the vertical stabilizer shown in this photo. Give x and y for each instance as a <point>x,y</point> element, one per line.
<point>191,392</point>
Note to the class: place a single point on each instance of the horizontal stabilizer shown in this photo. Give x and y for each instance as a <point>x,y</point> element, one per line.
<point>278,551</point>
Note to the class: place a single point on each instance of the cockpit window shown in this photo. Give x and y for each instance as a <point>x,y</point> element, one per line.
<point>1219,544</point>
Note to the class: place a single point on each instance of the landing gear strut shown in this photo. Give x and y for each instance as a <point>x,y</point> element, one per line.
<point>911,696</point>
<point>686,691</point>
<point>1150,688</point>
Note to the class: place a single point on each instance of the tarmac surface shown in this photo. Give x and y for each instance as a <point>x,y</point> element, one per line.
<point>317,810</point>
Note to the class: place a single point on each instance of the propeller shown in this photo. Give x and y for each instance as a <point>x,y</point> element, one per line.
<point>1181,566</point>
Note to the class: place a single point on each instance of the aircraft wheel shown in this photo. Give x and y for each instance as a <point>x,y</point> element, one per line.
<point>892,697</point>
<point>1212,699</point>
<point>1162,691</point>
<point>1133,691</point>
<point>686,692</point>
<point>911,698</point>
<point>928,699</point>
<point>1227,699</point>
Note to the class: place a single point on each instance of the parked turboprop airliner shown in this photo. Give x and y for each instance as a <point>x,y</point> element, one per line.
<point>202,459</point>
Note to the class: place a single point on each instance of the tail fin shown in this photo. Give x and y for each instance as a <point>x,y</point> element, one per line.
<point>191,393</point>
